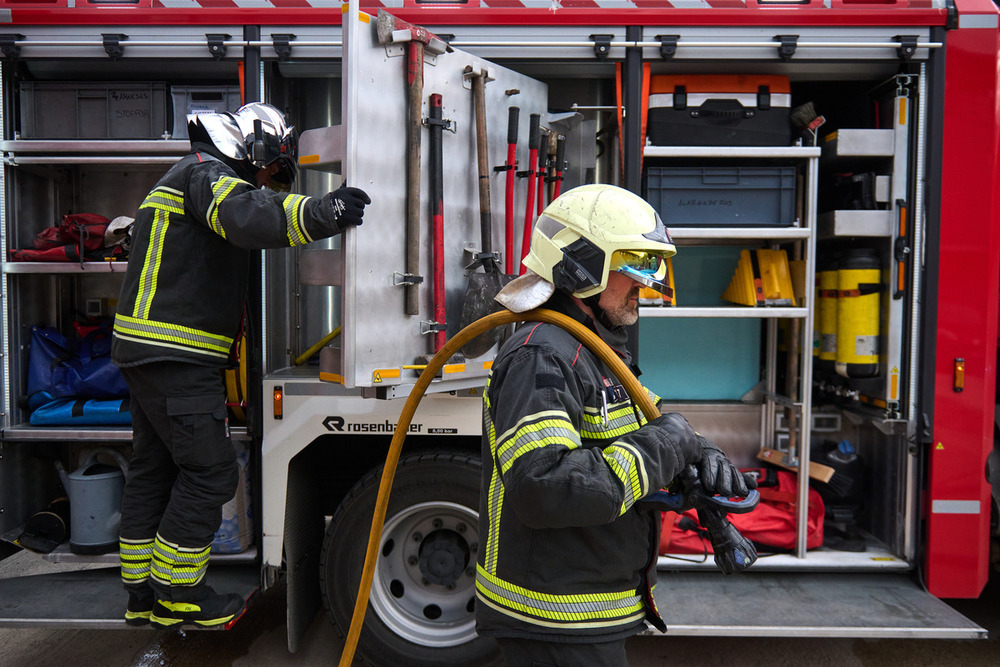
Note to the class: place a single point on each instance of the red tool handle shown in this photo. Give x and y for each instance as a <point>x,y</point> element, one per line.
<point>534,129</point>
<point>512,119</point>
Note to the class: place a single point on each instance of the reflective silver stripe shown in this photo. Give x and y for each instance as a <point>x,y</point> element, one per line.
<point>220,190</point>
<point>151,263</point>
<point>165,199</point>
<point>612,608</point>
<point>956,507</point>
<point>627,465</point>
<point>178,335</point>
<point>621,420</point>
<point>494,498</point>
<point>542,429</point>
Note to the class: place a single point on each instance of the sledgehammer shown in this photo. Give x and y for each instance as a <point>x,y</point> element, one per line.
<point>392,30</point>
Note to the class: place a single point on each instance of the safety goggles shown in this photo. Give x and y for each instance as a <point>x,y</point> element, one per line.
<point>649,269</point>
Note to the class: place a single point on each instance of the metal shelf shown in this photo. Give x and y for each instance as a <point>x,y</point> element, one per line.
<point>27,432</point>
<point>723,311</point>
<point>129,147</point>
<point>64,267</point>
<point>739,233</point>
<point>732,151</point>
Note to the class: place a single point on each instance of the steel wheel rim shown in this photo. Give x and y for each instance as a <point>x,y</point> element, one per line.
<point>422,611</point>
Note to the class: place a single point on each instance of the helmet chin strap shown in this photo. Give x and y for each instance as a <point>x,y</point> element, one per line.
<point>594,303</point>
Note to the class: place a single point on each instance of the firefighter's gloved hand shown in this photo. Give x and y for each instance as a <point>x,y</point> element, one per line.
<point>347,206</point>
<point>680,435</point>
<point>719,475</point>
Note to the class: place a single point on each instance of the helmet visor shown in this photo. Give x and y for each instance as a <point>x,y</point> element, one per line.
<point>647,268</point>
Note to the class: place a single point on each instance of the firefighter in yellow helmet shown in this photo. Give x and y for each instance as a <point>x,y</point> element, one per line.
<point>180,310</point>
<point>566,571</point>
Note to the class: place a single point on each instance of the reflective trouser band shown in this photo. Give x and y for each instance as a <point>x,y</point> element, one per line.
<point>592,610</point>
<point>136,558</point>
<point>176,336</point>
<point>174,565</point>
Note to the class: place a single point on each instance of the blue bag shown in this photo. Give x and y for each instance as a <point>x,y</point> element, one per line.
<point>80,412</point>
<point>63,368</point>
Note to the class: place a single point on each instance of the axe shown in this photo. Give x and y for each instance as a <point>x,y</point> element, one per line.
<point>392,30</point>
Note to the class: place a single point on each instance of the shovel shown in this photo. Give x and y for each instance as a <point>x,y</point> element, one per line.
<point>483,286</point>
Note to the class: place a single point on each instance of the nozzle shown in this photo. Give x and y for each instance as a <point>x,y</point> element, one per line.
<point>733,552</point>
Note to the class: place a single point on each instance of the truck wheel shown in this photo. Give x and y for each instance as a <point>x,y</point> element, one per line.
<point>421,608</point>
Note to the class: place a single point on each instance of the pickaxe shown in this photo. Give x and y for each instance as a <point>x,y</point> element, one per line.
<point>392,30</point>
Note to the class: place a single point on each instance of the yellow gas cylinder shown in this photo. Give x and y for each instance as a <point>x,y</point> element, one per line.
<point>859,282</point>
<point>825,348</point>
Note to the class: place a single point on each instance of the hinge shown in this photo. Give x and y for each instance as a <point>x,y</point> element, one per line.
<point>907,46</point>
<point>112,44</point>
<point>9,44</point>
<point>788,45</point>
<point>217,44</point>
<point>282,44</point>
<point>602,45</point>
<point>668,45</point>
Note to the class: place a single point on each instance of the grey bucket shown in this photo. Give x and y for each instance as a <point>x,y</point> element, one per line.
<point>95,502</point>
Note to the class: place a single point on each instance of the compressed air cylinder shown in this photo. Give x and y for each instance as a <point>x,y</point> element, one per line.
<point>826,314</point>
<point>859,282</point>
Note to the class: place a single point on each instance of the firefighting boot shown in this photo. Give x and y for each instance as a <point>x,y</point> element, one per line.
<point>199,605</point>
<point>140,604</point>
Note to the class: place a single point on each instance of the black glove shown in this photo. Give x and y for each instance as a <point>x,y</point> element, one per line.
<point>347,205</point>
<point>681,435</point>
<point>719,475</point>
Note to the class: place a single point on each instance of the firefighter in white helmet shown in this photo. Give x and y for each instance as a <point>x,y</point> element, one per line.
<point>180,311</point>
<point>566,571</point>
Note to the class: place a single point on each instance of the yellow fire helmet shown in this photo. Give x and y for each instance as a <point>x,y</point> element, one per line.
<point>583,235</point>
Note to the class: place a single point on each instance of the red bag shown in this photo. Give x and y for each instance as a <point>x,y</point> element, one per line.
<point>771,525</point>
<point>76,229</point>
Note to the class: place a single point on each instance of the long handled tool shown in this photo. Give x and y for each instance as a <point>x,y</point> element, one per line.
<point>510,165</point>
<point>436,124</point>
<point>482,286</point>
<point>559,165</point>
<point>391,30</point>
<point>543,169</point>
<point>534,129</point>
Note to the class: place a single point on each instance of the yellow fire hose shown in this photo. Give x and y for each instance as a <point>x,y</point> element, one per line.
<point>580,332</point>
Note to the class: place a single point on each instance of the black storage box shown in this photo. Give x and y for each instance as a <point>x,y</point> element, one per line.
<point>719,110</point>
<point>94,110</point>
<point>722,196</point>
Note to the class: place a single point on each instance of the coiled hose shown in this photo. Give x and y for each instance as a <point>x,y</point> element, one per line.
<point>635,390</point>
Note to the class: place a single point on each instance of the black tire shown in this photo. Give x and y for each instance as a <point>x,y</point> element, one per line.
<point>421,608</point>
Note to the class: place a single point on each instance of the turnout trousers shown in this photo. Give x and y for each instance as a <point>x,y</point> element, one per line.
<point>183,470</point>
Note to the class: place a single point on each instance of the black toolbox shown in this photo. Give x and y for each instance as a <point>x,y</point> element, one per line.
<point>719,110</point>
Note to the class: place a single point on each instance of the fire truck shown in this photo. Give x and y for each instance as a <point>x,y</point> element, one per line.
<point>879,155</point>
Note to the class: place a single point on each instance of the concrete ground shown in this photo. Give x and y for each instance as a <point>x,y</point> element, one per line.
<point>259,639</point>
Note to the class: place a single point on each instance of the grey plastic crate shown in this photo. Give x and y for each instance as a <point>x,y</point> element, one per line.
<point>96,110</point>
<point>722,196</point>
<point>201,99</point>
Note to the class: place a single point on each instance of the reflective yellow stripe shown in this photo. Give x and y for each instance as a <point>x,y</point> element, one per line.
<point>550,427</point>
<point>136,558</point>
<point>592,609</point>
<point>164,199</point>
<point>621,420</point>
<point>628,466</point>
<point>151,263</point>
<point>172,335</point>
<point>295,230</point>
<point>174,565</point>
<point>220,190</point>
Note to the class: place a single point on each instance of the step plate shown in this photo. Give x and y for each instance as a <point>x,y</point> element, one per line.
<point>94,598</point>
<point>792,604</point>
